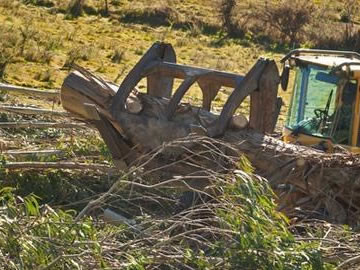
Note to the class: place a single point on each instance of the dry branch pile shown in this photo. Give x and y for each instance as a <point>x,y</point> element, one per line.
<point>23,122</point>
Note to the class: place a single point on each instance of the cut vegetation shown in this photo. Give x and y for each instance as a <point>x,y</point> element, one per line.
<point>69,203</point>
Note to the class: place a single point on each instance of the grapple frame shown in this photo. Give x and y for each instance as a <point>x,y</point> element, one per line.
<point>108,111</point>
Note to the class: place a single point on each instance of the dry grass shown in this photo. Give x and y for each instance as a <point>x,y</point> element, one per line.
<point>105,35</point>
<point>97,43</point>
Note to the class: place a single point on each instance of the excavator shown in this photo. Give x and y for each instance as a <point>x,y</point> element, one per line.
<point>324,111</point>
<point>191,144</point>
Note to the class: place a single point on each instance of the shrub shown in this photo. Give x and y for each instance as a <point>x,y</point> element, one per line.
<point>78,53</point>
<point>75,8</point>
<point>6,3</point>
<point>154,16</point>
<point>337,33</point>
<point>8,47</point>
<point>262,231</point>
<point>288,18</point>
<point>34,235</point>
<point>350,9</point>
<point>234,19</point>
<point>115,3</point>
<point>117,56</point>
<point>90,10</point>
<point>44,3</point>
<point>28,33</point>
<point>195,29</point>
<point>38,55</point>
<point>105,10</point>
<point>5,59</point>
<point>44,76</point>
<point>226,9</point>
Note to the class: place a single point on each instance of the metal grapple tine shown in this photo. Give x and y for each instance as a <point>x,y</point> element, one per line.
<point>155,53</point>
<point>209,90</point>
<point>180,92</point>
<point>161,86</point>
<point>241,91</point>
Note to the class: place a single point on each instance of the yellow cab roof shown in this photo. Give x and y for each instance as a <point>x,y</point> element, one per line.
<point>325,58</point>
<point>330,61</point>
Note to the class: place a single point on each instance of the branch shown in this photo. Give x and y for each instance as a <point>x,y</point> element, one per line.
<point>38,124</point>
<point>53,94</point>
<point>37,153</point>
<point>352,260</point>
<point>31,111</point>
<point>56,165</point>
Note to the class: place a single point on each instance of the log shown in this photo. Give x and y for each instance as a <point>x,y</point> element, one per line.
<point>80,88</point>
<point>52,94</point>
<point>133,105</point>
<point>34,153</point>
<point>321,185</point>
<point>31,111</point>
<point>38,124</point>
<point>55,165</point>
<point>238,121</point>
<point>116,219</point>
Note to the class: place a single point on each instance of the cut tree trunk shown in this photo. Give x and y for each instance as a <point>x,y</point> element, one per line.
<point>320,184</point>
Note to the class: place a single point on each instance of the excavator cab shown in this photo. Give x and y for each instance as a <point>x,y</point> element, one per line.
<point>325,102</point>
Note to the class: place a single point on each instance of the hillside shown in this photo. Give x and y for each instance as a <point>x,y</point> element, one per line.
<point>62,216</point>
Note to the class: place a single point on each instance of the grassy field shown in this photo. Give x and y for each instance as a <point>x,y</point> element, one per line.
<point>38,225</point>
<point>111,47</point>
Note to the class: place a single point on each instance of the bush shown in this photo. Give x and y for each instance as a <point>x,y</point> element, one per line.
<point>84,53</point>
<point>233,18</point>
<point>288,18</point>
<point>115,3</point>
<point>32,235</point>
<point>44,76</point>
<point>6,3</point>
<point>227,16</point>
<point>28,33</point>
<point>261,231</point>
<point>338,34</point>
<point>238,228</point>
<point>38,55</point>
<point>75,8</point>
<point>153,16</point>
<point>8,47</point>
<point>5,59</point>
<point>117,56</point>
<point>105,10</point>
